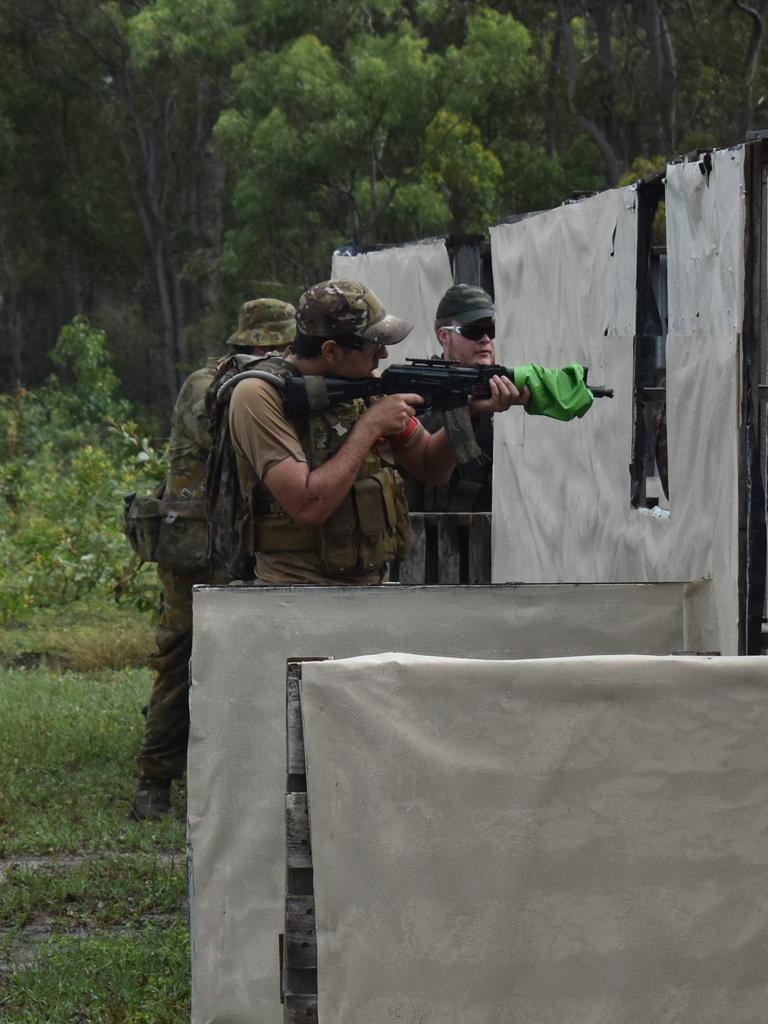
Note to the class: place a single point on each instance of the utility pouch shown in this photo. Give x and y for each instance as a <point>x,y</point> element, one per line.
<point>182,541</point>
<point>374,548</point>
<point>402,525</point>
<point>371,510</point>
<point>172,531</point>
<point>141,522</point>
<point>397,538</point>
<point>337,539</point>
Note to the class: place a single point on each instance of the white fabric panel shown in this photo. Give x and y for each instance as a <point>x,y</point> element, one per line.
<point>537,842</point>
<point>410,280</point>
<point>561,491</point>
<point>565,281</point>
<point>236,763</point>
<point>705,242</point>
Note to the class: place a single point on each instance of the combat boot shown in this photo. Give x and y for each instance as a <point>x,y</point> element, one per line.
<point>152,799</point>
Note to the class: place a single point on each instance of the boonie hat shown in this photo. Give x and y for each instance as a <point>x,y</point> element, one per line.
<point>465,303</point>
<point>265,322</point>
<point>338,309</point>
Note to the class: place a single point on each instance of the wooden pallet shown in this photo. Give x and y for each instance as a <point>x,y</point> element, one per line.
<point>447,548</point>
<point>298,945</point>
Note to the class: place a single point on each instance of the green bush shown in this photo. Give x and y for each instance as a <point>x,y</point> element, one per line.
<point>68,454</point>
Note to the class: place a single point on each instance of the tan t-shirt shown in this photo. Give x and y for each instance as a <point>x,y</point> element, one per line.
<point>262,437</point>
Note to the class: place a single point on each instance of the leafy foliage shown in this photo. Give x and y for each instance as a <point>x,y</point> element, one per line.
<point>167,159</point>
<point>67,456</point>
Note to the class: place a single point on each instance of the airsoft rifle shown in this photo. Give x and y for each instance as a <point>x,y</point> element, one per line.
<point>442,384</point>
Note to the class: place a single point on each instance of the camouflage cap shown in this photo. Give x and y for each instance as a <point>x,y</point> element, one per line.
<point>465,303</point>
<point>265,322</point>
<point>333,309</point>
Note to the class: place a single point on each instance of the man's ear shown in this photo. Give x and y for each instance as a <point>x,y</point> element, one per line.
<point>440,337</point>
<point>330,351</point>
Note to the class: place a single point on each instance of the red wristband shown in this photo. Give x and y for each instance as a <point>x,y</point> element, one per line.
<point>405,435</point>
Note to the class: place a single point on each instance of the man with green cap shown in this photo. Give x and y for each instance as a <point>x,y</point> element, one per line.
<point>264,326</point>
<point>465,325</point>
<point>327,499</point>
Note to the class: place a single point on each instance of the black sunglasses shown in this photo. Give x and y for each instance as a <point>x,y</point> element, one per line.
<point>360,344</point>
<point>474,332</point>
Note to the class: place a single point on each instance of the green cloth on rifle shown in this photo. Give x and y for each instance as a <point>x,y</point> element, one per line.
<point>560,394</point>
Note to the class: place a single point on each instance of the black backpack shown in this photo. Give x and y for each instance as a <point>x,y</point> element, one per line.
<point>230,528</point>
<point>230,513</point>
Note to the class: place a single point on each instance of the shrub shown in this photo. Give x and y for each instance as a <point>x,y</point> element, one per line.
<point>68,454</point>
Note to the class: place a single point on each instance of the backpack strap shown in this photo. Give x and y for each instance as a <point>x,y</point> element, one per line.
<point>232,514</point>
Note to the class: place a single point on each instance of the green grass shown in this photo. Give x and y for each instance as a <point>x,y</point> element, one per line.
<point>104,892</point>
<point>93,915</point>
<point>67,743</point>
<point>136,978</point>
<point>92,634</point>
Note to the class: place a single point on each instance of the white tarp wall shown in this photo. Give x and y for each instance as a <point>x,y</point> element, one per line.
<point>565,291</point>
<point>236,764</point>
<point>539,842</point>
<point>410,280</point>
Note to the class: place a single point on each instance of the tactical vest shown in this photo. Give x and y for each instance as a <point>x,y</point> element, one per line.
<point>468,490</point>
<point>369,528</point>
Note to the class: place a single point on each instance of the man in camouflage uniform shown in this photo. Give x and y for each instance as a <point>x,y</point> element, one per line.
<point>264,325</point>
<point>465,326</point>
<point>331,509</point>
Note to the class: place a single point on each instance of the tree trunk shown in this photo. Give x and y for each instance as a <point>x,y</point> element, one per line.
<point>550,143</point>
<point>12,315</point>
<point>671,80</point>
<point>209,186</point>
<point>662,78</point>
<point>592,127</point>
<point>149,202</point>
<point>757,13</point>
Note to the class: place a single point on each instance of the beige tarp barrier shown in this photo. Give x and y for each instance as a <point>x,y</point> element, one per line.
<point>539,842</point>
<point>410,280</point>
<point>565,291</point>
<point>705,244</point>
<point>236,769</point>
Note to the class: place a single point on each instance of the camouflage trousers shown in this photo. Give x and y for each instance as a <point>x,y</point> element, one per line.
<point>163,753</point>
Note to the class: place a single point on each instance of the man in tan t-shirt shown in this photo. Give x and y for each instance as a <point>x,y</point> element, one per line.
<point>327,500</point>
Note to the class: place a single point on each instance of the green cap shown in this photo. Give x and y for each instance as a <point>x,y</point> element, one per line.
<point>333,309</point>
<point>465,303</point>
<point>265,322</point>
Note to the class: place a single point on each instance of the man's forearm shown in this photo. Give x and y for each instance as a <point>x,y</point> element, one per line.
<point>310,496</point>
<point>433,461</point>
<point>329,484</point>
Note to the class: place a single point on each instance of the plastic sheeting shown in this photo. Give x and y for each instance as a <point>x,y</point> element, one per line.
<point>705,241</point>
<point>410,280</point>
<point>565,291</point>
<point>536,842</point>
<point>564,279</point>
<point>236,769</point>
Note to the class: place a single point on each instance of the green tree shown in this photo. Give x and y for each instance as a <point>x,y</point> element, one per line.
<point>68,453</point>
<point>119,115</point>
<point>380,135</point>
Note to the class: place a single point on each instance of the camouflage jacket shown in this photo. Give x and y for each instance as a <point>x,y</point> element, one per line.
<point>190,441</point>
